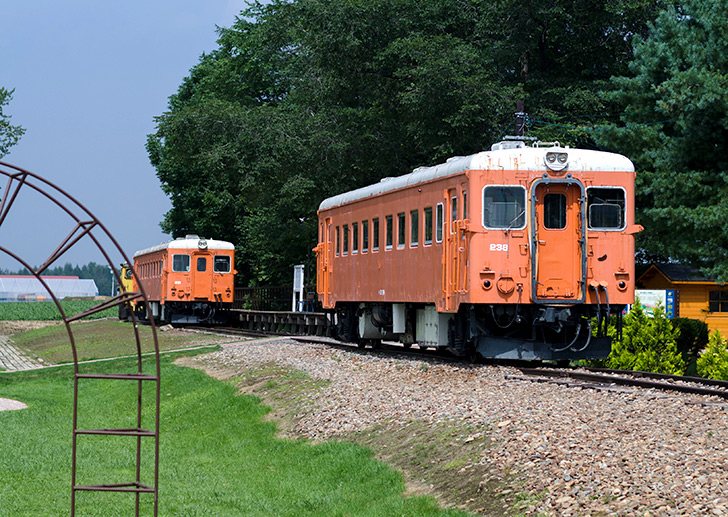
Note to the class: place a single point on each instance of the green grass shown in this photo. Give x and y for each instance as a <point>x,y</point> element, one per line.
<point>97,340</point>
<point>47,311</point>
<point>218,456</point>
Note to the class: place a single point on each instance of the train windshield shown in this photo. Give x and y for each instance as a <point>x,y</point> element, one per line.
<point>221,264</point>
<point>181,263</point>
<point>504,207</point>
<point>605,208</point>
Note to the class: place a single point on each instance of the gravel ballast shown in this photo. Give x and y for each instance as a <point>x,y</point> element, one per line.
<point>575,452</point>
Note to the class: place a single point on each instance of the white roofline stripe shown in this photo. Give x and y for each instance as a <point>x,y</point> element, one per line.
<point>520,159</point>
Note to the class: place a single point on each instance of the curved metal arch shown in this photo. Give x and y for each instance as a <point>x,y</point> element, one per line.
<point>85,226</point>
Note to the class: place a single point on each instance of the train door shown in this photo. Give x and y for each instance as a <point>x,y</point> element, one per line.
<point>202,276</point>
<point>558,250</point>
<point>454,264</point>
<point>325,262</point>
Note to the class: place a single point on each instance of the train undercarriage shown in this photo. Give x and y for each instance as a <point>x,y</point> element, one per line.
<point>203,312</point>
<point>493,331</point>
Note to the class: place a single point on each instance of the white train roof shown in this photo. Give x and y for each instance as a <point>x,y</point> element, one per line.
<point>189,242</point>
<point>509,156</point>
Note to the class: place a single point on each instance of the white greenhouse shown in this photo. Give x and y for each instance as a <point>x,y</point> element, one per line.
<point>18,288</point>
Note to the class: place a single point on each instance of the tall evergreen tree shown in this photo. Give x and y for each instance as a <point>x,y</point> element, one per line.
<point>675,128</point>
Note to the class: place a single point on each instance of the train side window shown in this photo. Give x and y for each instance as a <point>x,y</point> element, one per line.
<point>201,264</point>
<point>428,225</point>
<point>400,230</point>
<point>221,264</point>
<point>390,232</point>
<point>554,211</point>
<point>181,263</point>
<point>504,207</point>
<point>364,236</point>
<point>338,241</point>
<point>346,239</point>
<point>375,234</point>
<point>439,216</point>
<point>453,212</point>
<point>465,204</point>
<point>605,208</point>
<point>354,238</point>
<point>414,228</point>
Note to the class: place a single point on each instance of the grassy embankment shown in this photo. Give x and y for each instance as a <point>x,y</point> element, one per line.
<point>218,455</point>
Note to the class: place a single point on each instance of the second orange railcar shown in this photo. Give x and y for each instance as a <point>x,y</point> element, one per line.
<point>187,280</point>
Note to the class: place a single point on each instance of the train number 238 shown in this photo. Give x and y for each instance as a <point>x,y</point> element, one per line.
<point>499,247</point>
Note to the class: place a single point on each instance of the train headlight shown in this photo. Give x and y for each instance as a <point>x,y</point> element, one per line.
<point>202,244</point>
<point>556,161</point>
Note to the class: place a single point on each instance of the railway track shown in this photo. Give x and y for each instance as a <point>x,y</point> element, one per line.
<point>593,378</point>
<point>600,378</point>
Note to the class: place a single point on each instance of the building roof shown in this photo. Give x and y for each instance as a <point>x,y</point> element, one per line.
<point>678,273</point>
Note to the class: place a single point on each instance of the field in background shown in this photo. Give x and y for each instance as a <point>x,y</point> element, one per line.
<point>47,311</point>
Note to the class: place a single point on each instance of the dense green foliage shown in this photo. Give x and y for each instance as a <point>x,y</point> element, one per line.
<point>217,457</point>
<point>713,362</point>
<point>648,344</point>
<point>47,311</point>
<point>306,99</point>
<point>675,115</point>
<point>9,134</point>
<point>693,336</point>
<point>99,273</point>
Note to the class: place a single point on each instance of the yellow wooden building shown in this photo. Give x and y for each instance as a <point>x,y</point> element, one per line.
<point>697,297</point>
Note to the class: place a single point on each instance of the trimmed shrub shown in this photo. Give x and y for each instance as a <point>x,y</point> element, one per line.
<point>648,344</point>
<point>693,336</point>
<point>713,361</point>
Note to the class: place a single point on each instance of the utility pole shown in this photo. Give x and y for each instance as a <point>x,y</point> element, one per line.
<point>520,118</point>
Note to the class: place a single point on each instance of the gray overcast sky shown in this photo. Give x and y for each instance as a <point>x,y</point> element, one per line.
<point>89,78</point>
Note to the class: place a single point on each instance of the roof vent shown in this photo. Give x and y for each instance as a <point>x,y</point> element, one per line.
<point>191,236</point>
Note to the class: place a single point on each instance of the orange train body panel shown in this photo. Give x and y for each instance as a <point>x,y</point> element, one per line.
<point>496,231</point>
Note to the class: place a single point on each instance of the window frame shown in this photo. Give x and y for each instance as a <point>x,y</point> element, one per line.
<point>345,241</point>
<point>354,237</point>
<point>365,236</point>
<point>401,230</point>
<point>375,234</point>
<point>174,265</point>
<point>525,207</point>
<point>427,210</point>
<point>389,232</point>
<point>439,222</point>
<point>215,261</point>
<point>414,228</point>
<point>624,209</point>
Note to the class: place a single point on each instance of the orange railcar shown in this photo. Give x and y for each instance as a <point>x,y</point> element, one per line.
<point>187,280</point>
<point>518,252</point>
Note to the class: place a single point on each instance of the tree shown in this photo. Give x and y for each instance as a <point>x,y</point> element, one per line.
<point>675,128</point>
<point>9,134</point>
<point>306,99</point>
